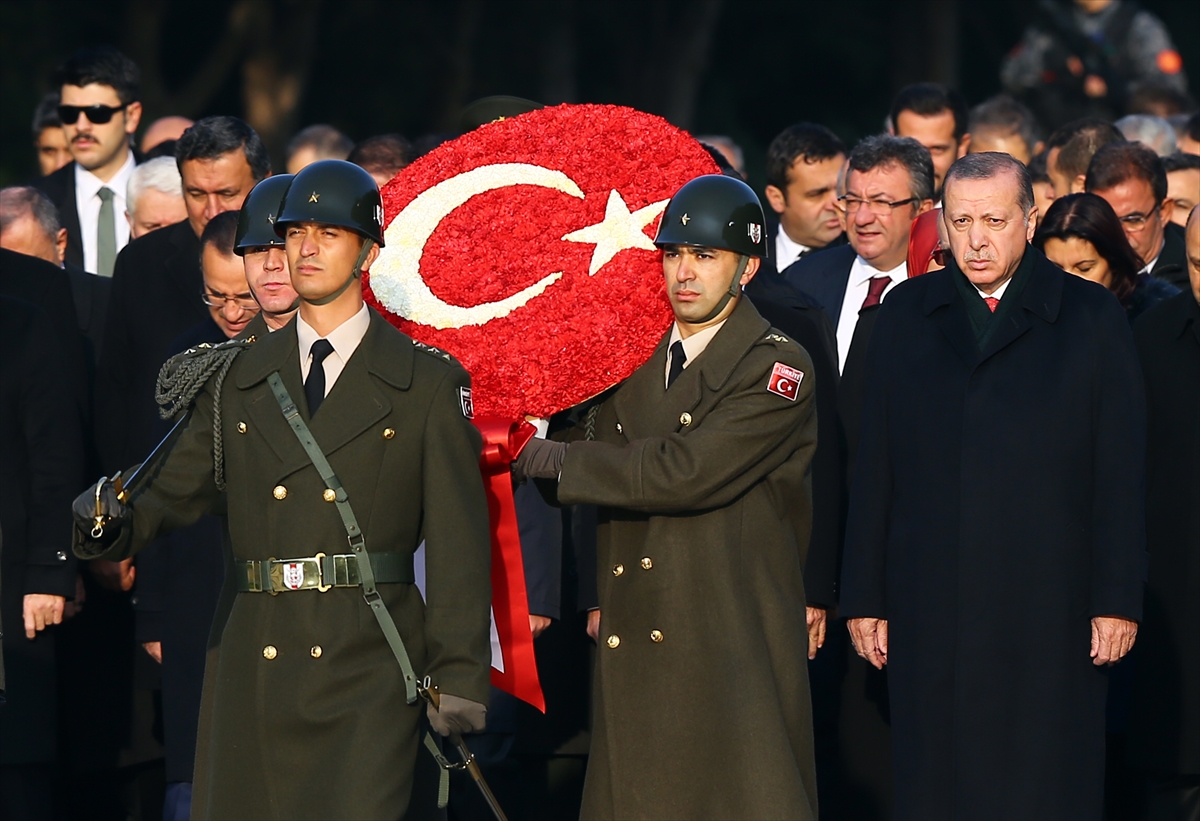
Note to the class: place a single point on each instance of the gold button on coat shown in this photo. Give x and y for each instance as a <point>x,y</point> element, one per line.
<point>619,428</point>
<point>618,569</point>
<point>315,652</point>
<point>269,652</point>
<point>656,636</point>
<point>647,563</point>
<point>280,492</point>
<point>388,433</point>
<point>613,641</point>
<point>685,419</point>
<point>329,495</point>
<point>241,427</point>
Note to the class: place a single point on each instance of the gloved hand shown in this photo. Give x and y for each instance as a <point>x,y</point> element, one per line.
<point>540,459</point>
<point>115,513</point>
<point>457,715</point>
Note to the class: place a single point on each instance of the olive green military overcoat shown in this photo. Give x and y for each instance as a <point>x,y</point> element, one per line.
<point>304,712</point>
<point>701,698</point>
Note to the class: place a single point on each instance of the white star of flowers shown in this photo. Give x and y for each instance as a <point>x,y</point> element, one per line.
<point>619,230</point>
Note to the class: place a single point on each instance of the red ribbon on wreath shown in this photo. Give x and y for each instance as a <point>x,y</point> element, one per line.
<point>502,443</point>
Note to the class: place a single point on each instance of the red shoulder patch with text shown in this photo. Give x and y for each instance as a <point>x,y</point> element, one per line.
<point>785,381</point>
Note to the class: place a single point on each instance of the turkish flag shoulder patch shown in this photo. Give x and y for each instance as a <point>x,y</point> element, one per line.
<point>785,381</point>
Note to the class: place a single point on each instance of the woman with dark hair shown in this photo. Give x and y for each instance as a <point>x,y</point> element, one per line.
<point>1082,235</point>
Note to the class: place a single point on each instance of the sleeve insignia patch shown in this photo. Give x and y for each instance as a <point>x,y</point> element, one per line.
<point>785,381</point>
<point>464,398</point>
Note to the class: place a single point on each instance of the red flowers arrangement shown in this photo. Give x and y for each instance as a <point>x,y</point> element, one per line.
<point>523,249</point>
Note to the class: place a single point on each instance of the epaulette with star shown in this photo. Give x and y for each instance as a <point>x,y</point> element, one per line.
<point>432,351</point>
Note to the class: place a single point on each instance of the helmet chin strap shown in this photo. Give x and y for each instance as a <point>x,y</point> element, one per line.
<point>354,275</point>
<point>733,292</point>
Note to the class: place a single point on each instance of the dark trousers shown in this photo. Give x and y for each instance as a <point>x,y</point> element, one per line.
<point>27,792</point>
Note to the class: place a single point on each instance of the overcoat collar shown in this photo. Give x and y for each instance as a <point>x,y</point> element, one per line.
<point>184,259</point>
<point>644,405</point>
<point>1042,297</point>
<point>353,404</point>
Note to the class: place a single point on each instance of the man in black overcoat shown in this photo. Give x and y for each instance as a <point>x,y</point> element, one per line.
<point>996,530</point>
<point>41,459</point>
<point>1164,724</point>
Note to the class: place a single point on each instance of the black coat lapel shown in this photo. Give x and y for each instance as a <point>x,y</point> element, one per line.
<point>945,309</point>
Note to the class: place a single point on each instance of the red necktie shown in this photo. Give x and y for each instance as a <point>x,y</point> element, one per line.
<point>875,291</point>
<point>992,302</point>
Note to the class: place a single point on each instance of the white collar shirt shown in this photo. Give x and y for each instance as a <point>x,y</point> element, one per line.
<point>1149,269</point>
<point>87,205</point>
<point>858,286</point>
<point>786,251</point>
<point>345,339</point>
<point>693,346</point>
<point>998,293</point>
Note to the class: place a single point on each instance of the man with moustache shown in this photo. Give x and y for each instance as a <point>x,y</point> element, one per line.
<point>264,259</point>
<point>99,90</point>
<point>699,463</point>
<point>995,550</point>
<point>340,446</point>
<point>890,180</point>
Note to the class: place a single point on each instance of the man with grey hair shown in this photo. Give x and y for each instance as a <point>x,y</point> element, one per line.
<point>1153,132</point>
<point>317,142</point>
<point>995,547</point>
<point>154,198</point>
<point>889,182</point>
<point>29,225</point>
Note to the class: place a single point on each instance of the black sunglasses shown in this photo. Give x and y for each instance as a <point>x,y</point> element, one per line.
<point>96,114</point>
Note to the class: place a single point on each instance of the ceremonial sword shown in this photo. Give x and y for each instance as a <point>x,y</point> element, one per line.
<point>430,694</point>
<point>124,487</point>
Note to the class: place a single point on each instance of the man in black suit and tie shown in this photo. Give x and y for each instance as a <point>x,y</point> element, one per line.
<point>889,182</point>
<point>803,163</point>
<point>100,112</point>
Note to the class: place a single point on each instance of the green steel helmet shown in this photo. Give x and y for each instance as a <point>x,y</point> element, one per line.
<point>256,221</point>
<point>715,211</point>
<point>334,192</point>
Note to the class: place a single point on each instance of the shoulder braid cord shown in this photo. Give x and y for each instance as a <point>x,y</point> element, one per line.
<point>181,378</point>
<point>589,425</point>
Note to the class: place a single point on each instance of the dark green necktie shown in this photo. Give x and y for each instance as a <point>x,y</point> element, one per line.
<point>106,234</point>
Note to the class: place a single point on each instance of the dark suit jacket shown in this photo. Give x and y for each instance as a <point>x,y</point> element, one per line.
<point>802,319</point>
<point>41,460</point>
<point>60,188</point>
<point>91,307</point>
<point>1172,262</point>
<point>823,276</point>
<point>996,507</point>
<point>1164,722</point>
<point>771,264</point>
<point>155,297</point>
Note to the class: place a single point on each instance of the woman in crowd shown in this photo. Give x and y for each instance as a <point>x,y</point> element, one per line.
<point>1082,235</point>
<point>925,244</point>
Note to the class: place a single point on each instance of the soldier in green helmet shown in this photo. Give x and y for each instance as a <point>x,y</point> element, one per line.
<point>341,446</point>
<point>264,257</point>
<point>700,465</point>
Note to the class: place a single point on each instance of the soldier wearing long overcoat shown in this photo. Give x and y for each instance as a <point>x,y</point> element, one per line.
<point>701,699</point>
<point>304,712</point>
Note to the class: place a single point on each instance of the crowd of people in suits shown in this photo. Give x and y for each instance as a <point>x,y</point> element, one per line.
<point>120,255</point>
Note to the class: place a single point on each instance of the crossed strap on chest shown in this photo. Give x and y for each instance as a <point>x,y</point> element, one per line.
<point>354,535</point>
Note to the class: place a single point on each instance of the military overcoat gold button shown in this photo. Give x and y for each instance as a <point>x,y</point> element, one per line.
<point>388,433</point>
<point>618,569</point>
<point>656,636</point>
<point>269,652</point>
<point>619,428</point>
<point>329,495</point>
<point>647,563</point>
<point>280,492</point>
<point>241,427</point>
<point>685,419</point>
<point>613,641</point>
<point>315,652</point>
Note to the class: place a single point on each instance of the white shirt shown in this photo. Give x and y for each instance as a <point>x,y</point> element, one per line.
<point>87,205</point>
<point>786,251</point>
<point>857,289</point>
<point>693,346</point>
<point>345,339</point>
<point>1149,269</point>
<point>997,294</point>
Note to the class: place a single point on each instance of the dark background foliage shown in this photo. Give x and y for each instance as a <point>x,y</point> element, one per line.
<point>746,68</point>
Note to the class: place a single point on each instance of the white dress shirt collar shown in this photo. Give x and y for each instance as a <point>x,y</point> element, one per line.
<point>87,206</point>
<point>786,251</point>
<point>693,346</point>
<point>998,293</point>
<point>857,289</point>
<point>345,339</point>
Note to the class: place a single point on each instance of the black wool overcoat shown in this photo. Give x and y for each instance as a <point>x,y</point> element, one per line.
<point>996,507</point>
<point>1164,723</point>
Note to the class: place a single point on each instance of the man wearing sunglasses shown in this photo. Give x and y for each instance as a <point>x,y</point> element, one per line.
<point>99,109</point>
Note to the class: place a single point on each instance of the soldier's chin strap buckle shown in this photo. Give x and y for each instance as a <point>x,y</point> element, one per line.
<point>735,290</point>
